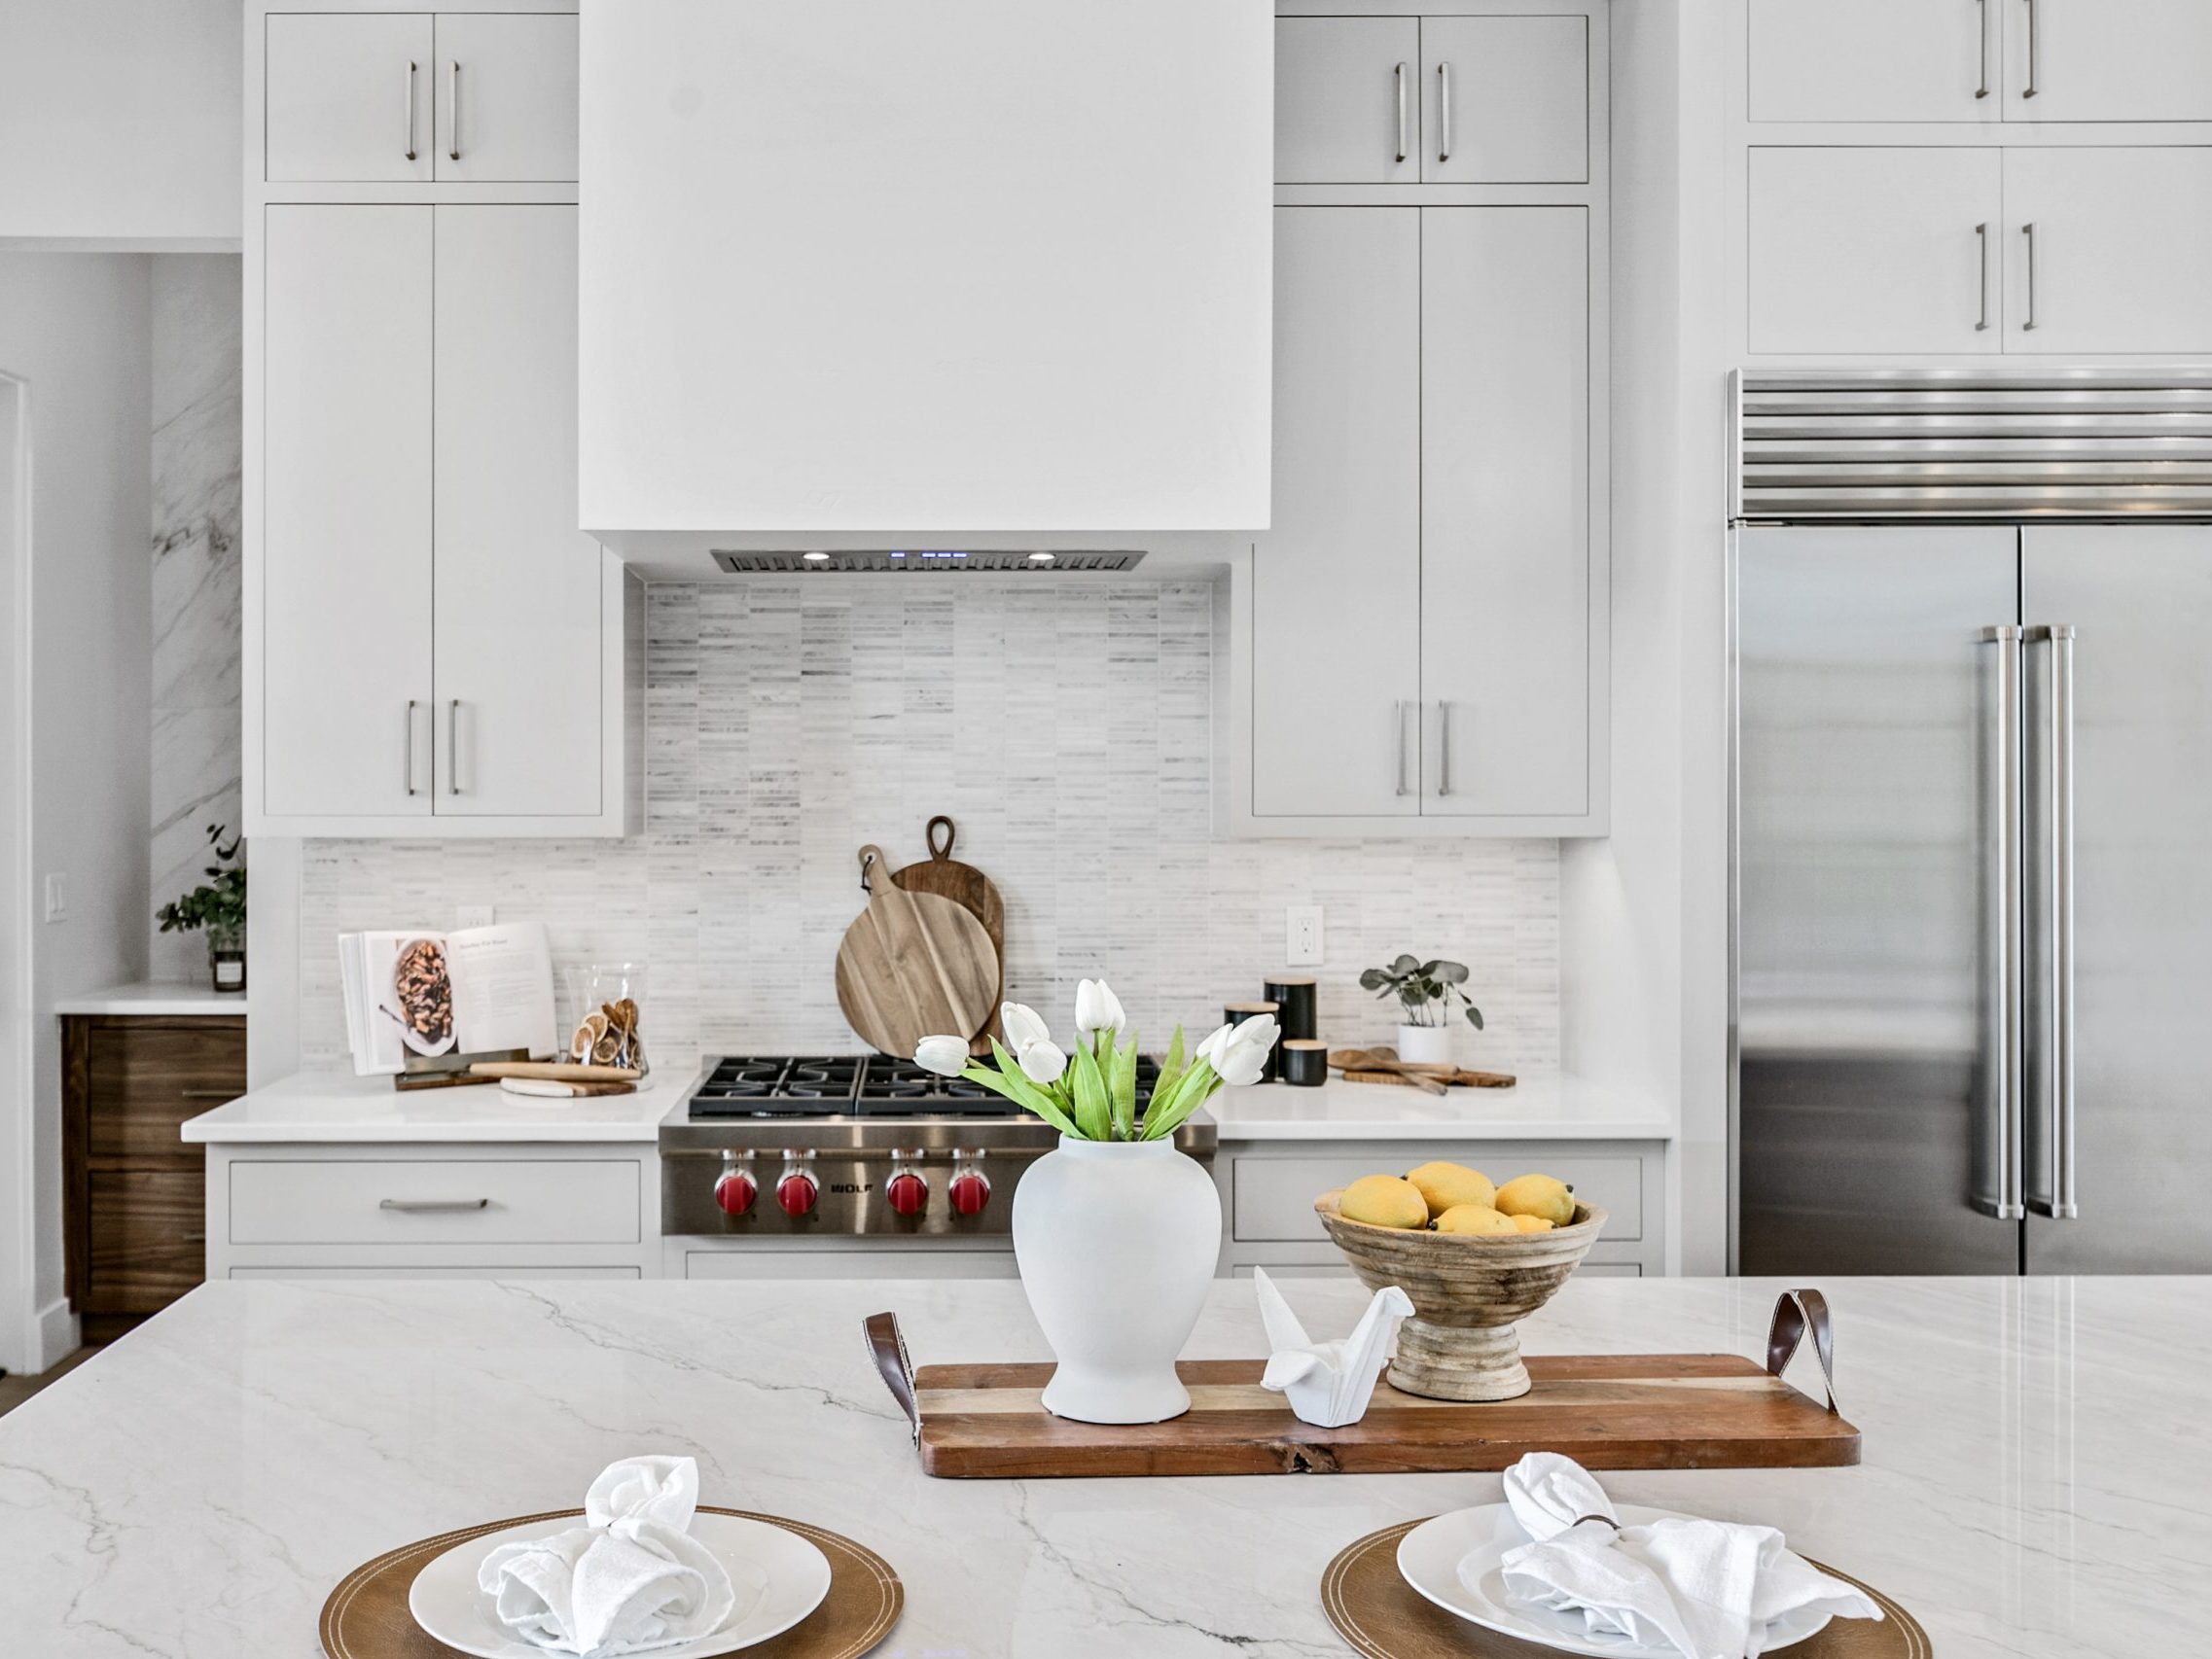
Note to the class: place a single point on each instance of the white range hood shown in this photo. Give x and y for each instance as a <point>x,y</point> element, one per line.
<point>924,278</point>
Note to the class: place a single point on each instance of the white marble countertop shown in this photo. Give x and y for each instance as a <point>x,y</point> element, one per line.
<point>1537,1109</point>
<point>2034,1483</point>
<point>156,997</point>
<point>340,1107</point>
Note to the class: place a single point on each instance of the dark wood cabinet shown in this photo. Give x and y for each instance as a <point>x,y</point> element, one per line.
<point>135,1212</point>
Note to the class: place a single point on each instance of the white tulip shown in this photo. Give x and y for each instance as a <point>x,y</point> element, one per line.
<point>947,1056</point>
<point>1023,1026</point>
<point>1041,1061</point>
<point>1210,1045</point>
<point>1098,1009</point>
<point>1239,1052</point>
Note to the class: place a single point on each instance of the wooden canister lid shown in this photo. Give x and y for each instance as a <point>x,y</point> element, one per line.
<point>1304,1043</point>
<point>1291,979</point>
<point>1250,1007</point>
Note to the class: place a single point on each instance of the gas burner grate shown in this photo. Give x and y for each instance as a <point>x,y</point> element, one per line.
<point>876,1085</point>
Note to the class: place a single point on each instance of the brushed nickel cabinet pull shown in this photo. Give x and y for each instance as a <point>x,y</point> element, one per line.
<point>454,110</point>
<point>2028,231</point>
<point>407,757</point>
<point>2034,53</point>
<point>1398,714</point>
<point>453,747</point>
<point>1981,231</point>
<point>1444,748</point>
<point>1983,91</point>
<point>1443,113</point>
<point>426,1206</point>
<point>1403,139</point>
<point>209,1094</point>
<point>410,112</point>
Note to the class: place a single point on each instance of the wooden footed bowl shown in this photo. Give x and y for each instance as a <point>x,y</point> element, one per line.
<point>1467,1289</point>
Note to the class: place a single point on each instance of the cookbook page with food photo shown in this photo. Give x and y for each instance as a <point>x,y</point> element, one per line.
<point>416,993</point>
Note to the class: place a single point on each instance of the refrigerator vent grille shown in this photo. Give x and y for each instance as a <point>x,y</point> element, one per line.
<point>929,561</point>
<point>1865,446</point>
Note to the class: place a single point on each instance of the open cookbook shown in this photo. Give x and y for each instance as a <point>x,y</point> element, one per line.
<point>415,996</point>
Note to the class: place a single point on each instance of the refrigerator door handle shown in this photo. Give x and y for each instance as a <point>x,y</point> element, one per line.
<point>2057,896</point>
<point>1997,1165</point>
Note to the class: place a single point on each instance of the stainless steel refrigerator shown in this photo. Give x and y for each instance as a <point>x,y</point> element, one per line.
<point>1972,825</point>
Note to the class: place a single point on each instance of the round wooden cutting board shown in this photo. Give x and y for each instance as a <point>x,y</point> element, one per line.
<point>968,887</point>
<point>913,965</point>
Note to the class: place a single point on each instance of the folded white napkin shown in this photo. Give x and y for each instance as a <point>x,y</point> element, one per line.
<point>1707,1588</point>
<point>631,1578</point>
<point>1328,1383</point>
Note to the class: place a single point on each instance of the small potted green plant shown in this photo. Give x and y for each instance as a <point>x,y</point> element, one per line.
<point>218,904</point>
<point>1426,992</point>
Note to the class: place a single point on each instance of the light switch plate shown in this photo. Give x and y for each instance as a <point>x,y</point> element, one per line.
<point>57,898</point>
<point>474,916</point>
<point>1302,935</point>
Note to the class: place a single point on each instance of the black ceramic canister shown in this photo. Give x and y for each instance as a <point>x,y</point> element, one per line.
<point>1294,998</point>
<point>1236,1013</point>
<point>1305,1062</point>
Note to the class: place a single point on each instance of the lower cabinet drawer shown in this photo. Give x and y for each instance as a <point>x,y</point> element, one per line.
<point>1274,1197</point>
<point>146,1239</point>
<point>460,1202</point>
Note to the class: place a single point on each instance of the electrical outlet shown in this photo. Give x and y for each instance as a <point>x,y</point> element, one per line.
<point>1302,935</point>
<point>473,916</point>
<point>58,899</point>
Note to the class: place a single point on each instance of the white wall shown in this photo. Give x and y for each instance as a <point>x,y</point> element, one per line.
<point>76,328</point>
<point>120,121</point>
<point>16,1024</point>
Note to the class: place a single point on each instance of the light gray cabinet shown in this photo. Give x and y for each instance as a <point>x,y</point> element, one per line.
<point>440,649</point>
<point>1347,100</point>
<point>1982,251</point>
<point>1504,100</point>
<point>416,96</point>
<point>348,97</point>
<point>1421,604</point>
<point>1336,584</point>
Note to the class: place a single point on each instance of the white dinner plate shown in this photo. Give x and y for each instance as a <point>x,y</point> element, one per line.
<point>1429,1557</point>
<point>447,1602</point>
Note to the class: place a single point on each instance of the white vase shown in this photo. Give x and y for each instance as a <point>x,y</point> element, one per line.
<point>1425,1044</point>
<point>1117,1243</point>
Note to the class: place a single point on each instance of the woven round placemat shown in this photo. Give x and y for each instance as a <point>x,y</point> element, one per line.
<point>367,1615</point>
<point>1384,1617</point>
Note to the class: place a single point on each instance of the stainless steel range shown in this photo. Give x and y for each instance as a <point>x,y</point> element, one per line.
<point>845,1148</point>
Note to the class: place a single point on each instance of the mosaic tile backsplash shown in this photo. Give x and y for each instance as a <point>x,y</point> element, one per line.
<point>1066,728</point>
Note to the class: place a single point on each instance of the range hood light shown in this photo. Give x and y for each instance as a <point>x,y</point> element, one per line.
<point>1040,558</point>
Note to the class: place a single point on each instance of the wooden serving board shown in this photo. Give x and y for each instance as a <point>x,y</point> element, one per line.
<point>971,890</point>
<point>913,965</point>
<point>1632,1411</point>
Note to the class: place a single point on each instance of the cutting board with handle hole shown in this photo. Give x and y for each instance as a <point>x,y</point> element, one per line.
<point>968,887</point>
<point>913,965</point>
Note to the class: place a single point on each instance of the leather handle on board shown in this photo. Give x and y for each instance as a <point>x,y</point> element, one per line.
<point>870,857</point>
<point>1797,1311</point>
<point>941,854</point>
<point>889,1351</point>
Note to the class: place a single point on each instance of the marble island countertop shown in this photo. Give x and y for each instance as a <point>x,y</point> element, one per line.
<point>2035,1482</point>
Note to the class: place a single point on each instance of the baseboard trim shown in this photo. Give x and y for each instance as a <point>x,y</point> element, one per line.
<point>56,1334</point>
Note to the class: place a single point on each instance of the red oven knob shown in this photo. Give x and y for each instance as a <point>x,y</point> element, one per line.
<point>734,1190</point>
<point>969,1192</point>
<point>796,1193</point>
<point>908,1194</point>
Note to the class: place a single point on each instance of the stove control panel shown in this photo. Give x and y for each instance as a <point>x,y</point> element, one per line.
<point>782,1192</point>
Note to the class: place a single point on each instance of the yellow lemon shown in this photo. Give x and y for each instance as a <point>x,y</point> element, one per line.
<point>1530,1224</point>
<point>1384,1201</point>
<point>1473,1219</point>
<point>1445,1186</point>
<point>1538,1195</point>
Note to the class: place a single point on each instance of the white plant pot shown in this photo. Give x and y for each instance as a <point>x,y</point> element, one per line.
<point>1425,1044</point>
<point>1117,1243</point>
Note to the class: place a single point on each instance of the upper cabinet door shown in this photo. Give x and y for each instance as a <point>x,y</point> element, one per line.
<point>348,97</point>
<point>1875,250</point>
<point>2108,60</point>
<point>1505,511</point>
<point>346,525</point>
<point>1876,59</point>
<point>506,97</point>
<point>1347,100</point>
<point>518,689</point>
<point>1504,100</point>
<point>1335,583</point>
<point>2116,258</point>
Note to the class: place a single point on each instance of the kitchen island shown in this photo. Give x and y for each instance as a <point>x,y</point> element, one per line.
<point>2035,1481</point>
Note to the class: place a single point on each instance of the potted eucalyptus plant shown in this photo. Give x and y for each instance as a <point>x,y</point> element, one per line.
<point>1116,1232</point>
<point>1426,992</point>
<point>219,905</point>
